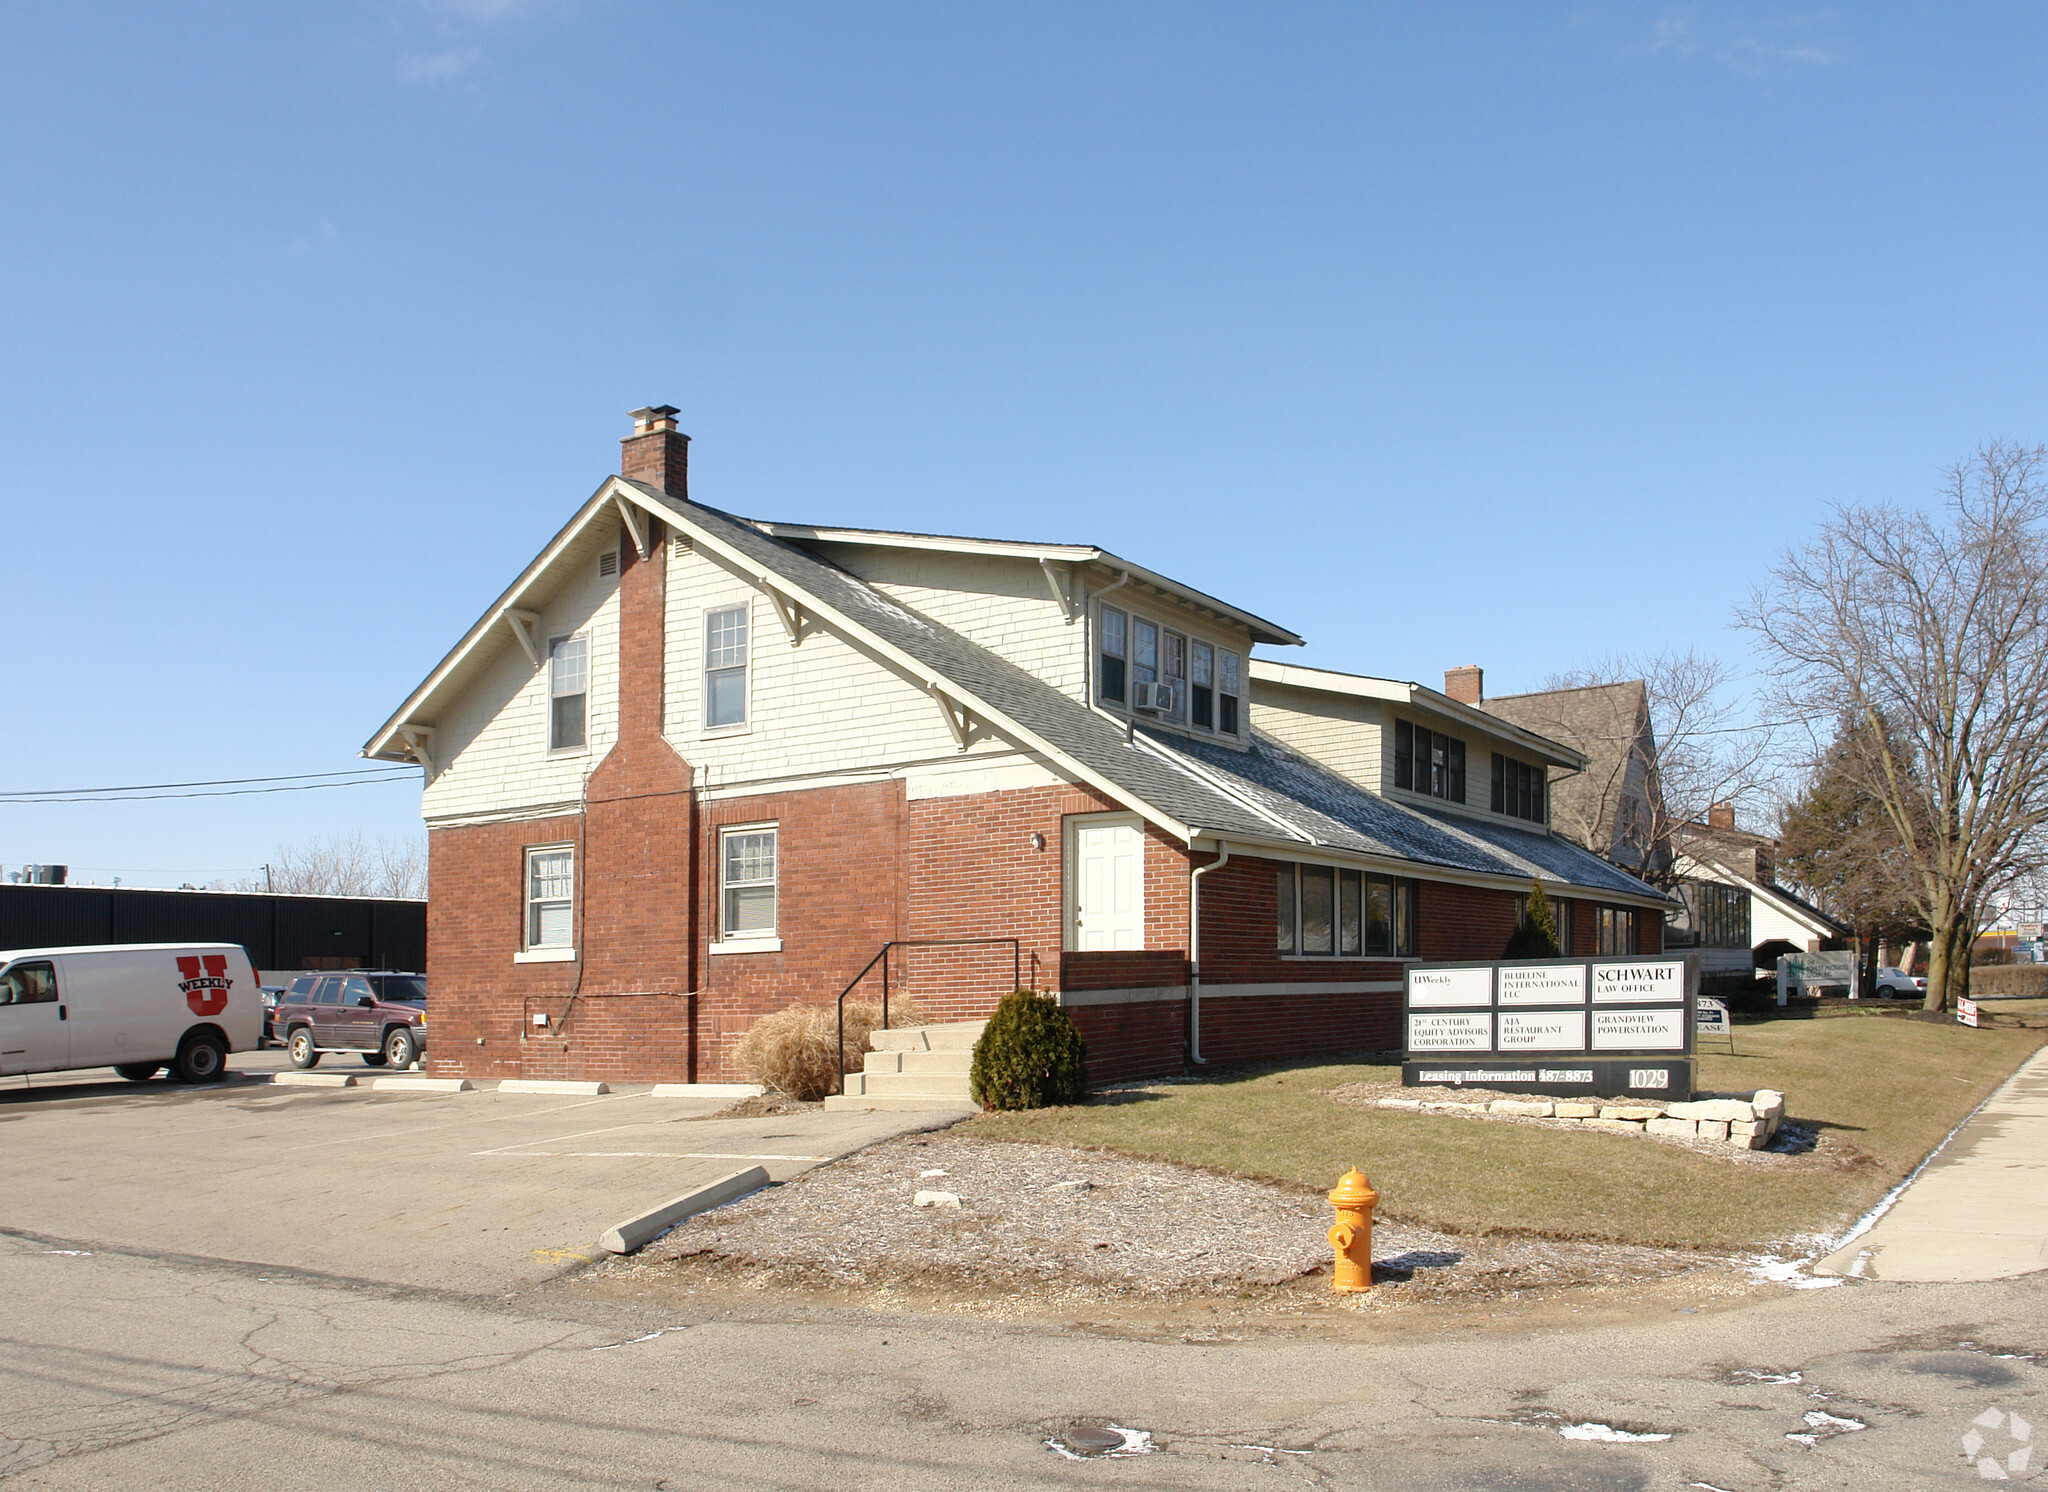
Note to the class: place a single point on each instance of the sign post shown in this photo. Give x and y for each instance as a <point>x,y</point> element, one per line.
<point>1605,1026</point>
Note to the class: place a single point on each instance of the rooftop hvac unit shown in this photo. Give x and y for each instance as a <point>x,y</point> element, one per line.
<point>45,875</point>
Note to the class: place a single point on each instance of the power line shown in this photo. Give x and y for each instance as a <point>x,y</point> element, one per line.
<point>232,792</point>
<point>150,787</point>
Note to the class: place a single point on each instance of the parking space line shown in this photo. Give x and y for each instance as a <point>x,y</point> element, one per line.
<point>514,1152</point>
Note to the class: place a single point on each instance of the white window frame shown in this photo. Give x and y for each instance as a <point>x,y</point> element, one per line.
<point>555,643</point>
<point>746,668</point>
<point>530,951</point>
<point>752,940</point>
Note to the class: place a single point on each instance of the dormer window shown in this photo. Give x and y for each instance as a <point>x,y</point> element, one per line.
<point>1428,762</point>
<point>568,686</point>
<point>1147,668</point>
<point>1518,789</point>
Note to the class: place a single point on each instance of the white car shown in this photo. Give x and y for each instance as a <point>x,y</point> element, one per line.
<point>1895,982</point>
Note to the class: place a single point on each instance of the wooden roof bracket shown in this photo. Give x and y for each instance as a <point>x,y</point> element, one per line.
<point>523,623</point>
<point>636,523</point>
<point>1063,587</point>
<point>418,741</point>
<point>787,611</point>
<point>959,723</point>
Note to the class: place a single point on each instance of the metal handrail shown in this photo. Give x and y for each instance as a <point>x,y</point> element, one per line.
<point>882,958</point>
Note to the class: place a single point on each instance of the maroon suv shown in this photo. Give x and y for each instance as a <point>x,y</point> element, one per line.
<point>383,1016</point>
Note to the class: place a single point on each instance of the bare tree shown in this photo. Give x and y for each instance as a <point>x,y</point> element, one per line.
<point>1666,738</point>
<point>1931,632</point>
<point>347,865</point>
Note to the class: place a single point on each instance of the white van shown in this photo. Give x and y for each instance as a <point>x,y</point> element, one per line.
<point>135,1007</point>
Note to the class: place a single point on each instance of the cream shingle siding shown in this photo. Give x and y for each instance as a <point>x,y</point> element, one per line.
<point>1005,605</point>
<point>491,744</point>
<point>816,708</point>
<point>1342,732</point>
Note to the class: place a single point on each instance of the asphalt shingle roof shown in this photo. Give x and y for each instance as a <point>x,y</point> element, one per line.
<point>1266,793</point>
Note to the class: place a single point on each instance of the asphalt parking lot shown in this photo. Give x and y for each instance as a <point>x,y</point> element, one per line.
<point>478,1192</point>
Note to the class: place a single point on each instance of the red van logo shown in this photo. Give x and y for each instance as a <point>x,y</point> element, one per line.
<point>207,992</point>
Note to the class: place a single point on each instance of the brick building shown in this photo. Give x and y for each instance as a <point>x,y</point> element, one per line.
<point>691,768</point>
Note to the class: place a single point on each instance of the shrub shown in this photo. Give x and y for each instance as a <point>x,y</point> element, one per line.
<point>1537,935</point>
<point>1029,1057</point>
<point>791,1051</point>
<point>2011,979</point>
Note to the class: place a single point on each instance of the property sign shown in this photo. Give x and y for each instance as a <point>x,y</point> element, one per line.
<point>1966,1012</point>
<point>1605,1025</point>
<point>1710,1018</point>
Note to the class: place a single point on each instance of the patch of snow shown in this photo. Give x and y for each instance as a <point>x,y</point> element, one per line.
<point>1593,1430</point>
<point>1789,1272</point>
<point>1820,1425</point>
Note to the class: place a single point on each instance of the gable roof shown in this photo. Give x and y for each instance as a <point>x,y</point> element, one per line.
<point>1267,797</point>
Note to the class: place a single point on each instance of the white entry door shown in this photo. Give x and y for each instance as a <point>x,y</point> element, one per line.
<point>1106,883</point>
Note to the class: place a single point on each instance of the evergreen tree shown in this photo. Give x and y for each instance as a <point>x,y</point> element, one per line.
<point>1536,937</point>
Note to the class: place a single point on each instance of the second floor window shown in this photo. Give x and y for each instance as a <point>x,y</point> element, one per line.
<point>1115,647</point>
<point>568,689</point>
<point>1206,681</point>
<point>1429,762</point>
<point>1517,788</point>
<point>725,667</point>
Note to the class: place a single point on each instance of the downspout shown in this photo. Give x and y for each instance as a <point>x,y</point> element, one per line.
<point>1195,951</point>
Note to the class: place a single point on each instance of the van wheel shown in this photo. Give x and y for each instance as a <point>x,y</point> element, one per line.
<point>299,1047</point>
<point>201,1058</point>
<point>399,1051</point>
<point>138,1072</point>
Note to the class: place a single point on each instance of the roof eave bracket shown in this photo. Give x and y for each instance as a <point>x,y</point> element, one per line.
<point>959,721</point>
<point>636,523</point>
<point>418,742</point>
<point>523,624</point>
<point>1062,580</point>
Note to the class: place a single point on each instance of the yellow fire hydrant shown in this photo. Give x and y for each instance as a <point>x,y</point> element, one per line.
<point>1351,1236</point>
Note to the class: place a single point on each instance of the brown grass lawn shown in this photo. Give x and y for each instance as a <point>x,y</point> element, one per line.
<point>1880,1091</point>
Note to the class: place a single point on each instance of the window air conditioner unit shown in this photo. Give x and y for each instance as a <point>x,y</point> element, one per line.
<point>1157,697</point>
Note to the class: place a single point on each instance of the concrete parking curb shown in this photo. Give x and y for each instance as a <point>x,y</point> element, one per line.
<point>637,1231</point>
<point>313,1079</point>
<point>551,1085</point>
<point>707,1090</point>
<point>425,1085</point>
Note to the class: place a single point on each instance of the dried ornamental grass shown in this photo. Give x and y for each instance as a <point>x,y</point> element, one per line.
<point>792,1051</point>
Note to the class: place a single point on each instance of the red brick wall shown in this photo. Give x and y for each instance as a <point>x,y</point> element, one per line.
<point>974,872</point>
<point>839,898</point>
<point>1462,921</point>
<point>610,1038</point>
<point>476,903</point>
<point>1267,1028</point>
<point>1129,1043</point>
<point>1146,969</point>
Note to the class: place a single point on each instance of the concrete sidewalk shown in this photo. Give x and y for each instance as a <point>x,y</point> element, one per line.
<point>1980,1209</point>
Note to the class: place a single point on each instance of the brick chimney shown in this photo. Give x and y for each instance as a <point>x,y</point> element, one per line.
<point>1721,815</point>
<point>656,452</point>
<point>1466,685</point>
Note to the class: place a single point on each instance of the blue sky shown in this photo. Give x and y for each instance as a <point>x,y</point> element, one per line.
<point>1510,335</point>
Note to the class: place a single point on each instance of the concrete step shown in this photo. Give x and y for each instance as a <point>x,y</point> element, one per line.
<point>952,1036</point>
<point>855,1102</point>
<point>913,1084</point>
<point>956,1061</point>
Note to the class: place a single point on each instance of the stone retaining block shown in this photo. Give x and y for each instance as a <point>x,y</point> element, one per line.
<point>1680,1127</point>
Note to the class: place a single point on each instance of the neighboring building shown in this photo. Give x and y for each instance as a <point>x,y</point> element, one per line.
<point>1612,806</point>
<point>1731,902</point>
<point>691,768</point>
<point>284,934</point>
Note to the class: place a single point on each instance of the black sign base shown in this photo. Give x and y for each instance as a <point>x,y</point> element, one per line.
<point>1666,1079</point>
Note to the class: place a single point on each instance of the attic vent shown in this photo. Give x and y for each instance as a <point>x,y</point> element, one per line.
<point>608,563</point>
<point>682,546</point>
